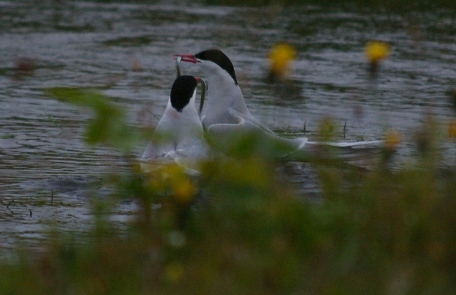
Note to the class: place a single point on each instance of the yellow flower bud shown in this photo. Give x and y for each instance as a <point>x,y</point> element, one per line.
<point>393,138</point>
<point>280,57</point>
<point>452,129</point>
<point>377,51</point>
<point>174,271</point>
<point>184,190</point>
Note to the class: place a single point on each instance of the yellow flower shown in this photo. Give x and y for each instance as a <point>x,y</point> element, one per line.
<point>452,129</point>
<point>377,51</point>
<point>393,138</point>
<point>174,271</point>
<point>180,183</point>
<point>327,128</point>
<point>184,190</point>
<point>280,57</point>
<point>170,178</point>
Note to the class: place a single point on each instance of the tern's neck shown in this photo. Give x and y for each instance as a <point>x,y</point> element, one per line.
<point>223,94</point>
<point>182,123</point>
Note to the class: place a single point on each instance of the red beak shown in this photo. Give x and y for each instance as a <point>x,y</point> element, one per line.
<point>186,57</point>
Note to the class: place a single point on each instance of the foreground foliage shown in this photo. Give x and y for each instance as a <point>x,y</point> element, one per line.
<point>241,230</point>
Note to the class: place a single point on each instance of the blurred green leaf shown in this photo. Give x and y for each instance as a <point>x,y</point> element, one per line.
<point>109,124</point>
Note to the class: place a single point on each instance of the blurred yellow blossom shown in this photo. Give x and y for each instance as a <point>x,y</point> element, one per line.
<point>327,128</point>
<point>174,271</point>
<point>393,138</point>
<point>377,51</point>
<point>184,190</point>
<point>169,178</point>
<point>452,129</point>
<point>180,182</point>
<point>280,57</point>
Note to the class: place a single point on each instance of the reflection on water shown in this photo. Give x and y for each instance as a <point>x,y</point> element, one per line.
<point>126,49</point>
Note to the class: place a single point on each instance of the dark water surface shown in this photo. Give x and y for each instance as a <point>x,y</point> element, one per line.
<point>126,49</point>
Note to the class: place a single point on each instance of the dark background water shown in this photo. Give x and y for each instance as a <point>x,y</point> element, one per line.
<point>126,50</point>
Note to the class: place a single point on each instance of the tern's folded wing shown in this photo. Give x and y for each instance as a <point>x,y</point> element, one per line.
<point>345,144</point>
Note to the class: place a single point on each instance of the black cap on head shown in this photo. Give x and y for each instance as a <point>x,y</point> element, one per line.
<point>218,57</point>
<point>182,91</point>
